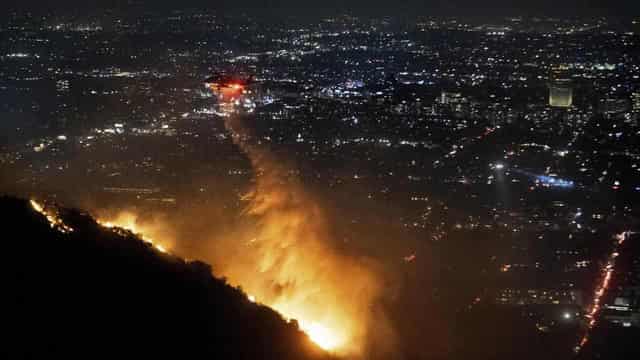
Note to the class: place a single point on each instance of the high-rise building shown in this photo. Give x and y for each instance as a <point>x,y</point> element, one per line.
<point>447,97</point>
<point>560,94</point>
<point>612,106</point>
<point>62,85</point>
<point>635,102</point>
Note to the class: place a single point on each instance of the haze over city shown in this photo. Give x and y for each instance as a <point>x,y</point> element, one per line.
<point>359,180</point>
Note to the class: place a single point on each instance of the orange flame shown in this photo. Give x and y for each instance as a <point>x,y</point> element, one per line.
<point>290,262</point>
<point>283,255</point>
<point>146,231</point>
<point>52,217</point>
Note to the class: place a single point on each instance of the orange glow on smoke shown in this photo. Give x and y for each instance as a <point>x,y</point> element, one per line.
<point>303,282</point>
<point>328,328</point>
<point>288,260</point>
<point>145,231</point>
<point>227,91</point>
<point>287,263</point>
<point>282,254</point>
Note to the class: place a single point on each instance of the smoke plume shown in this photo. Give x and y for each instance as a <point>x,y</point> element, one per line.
<point>286,259</point>
<point>280,252</point>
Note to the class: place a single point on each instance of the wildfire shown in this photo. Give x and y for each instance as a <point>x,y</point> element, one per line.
<point>327,334</point>
<point>227,91</point>
<point>321,335</point>
<point>129,222</point>
<point>52,217</point>
<point>289,263</point>
<point>282,254</point>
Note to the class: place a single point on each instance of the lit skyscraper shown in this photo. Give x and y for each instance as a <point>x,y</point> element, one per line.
<point>560,94</point>
<point>635,101</point>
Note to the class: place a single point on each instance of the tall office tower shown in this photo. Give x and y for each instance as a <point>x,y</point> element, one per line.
<point>612,106</point>
<point>447,97</point>
<point>560,93</point>
<point>635,102</point>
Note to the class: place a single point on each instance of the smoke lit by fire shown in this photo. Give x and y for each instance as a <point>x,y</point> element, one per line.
<point>287,259</point>
<point>282,254</point>
<point>227,90</point>
<point>147,231</point>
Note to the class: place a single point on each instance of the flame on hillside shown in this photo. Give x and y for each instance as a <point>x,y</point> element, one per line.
<point>283,255</point>
<point>51,215</point>
<point>149,232</point>
<point>287,259</point>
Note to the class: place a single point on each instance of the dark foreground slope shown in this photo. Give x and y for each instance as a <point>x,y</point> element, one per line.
<point>95,294</point>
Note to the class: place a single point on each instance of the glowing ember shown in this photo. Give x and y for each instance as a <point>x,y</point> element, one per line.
<point>128,221</point>
<point>161,248</point>
<point>316,308</point>
<point>282,253</point>
<point>321,335</point>
<point>36,206</point>
<point>227,92</point>
<point>292,264</point>
<point>409,258</point>
<point>52,217</point>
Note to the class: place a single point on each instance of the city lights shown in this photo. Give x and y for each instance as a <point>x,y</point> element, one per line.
<point>376,180</point>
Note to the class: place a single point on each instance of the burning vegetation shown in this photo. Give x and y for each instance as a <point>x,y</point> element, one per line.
<point>281,253</point>
<point>51,214</point>
<point>128,221</point>
<point>70,293</point>
<point>288,261</point>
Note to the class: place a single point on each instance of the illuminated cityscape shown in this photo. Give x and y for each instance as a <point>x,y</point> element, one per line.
<point>391,185</point>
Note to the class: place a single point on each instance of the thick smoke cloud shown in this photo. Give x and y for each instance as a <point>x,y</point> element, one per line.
<point>284,256</point>
<point>279,251</point>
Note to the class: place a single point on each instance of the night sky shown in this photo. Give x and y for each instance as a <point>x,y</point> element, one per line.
<point>364,7</point>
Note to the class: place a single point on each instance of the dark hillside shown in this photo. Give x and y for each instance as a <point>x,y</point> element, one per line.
<point>94,293</point>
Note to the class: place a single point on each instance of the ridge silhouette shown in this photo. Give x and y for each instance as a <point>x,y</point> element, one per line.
<point>95,293</point>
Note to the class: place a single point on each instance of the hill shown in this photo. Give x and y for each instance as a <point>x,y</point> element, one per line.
<point>96,293</point>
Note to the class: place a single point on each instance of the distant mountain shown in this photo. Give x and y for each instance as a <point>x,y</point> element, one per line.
<point>93,293</point>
